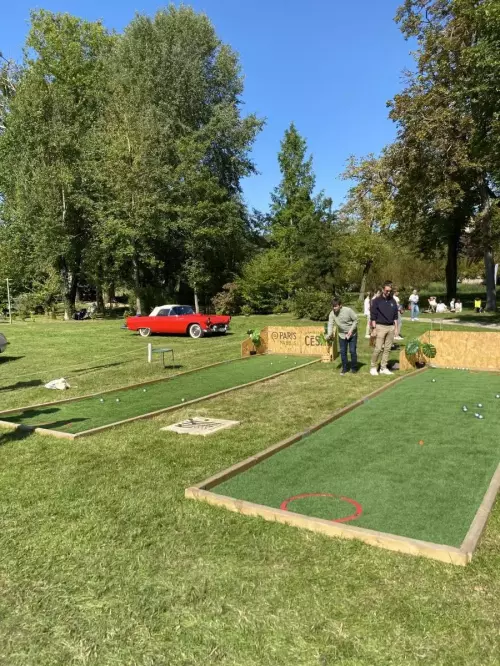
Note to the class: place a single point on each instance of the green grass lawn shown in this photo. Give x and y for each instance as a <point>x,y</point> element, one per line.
<point>429,492</point>
<point>104,563</point>
<point>94,412</point>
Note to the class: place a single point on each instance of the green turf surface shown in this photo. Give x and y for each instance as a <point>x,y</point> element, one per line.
<point>374,456</point>
<point>87,413</point>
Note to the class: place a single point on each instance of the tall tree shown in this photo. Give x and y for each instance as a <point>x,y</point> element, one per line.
<point>453,100</point>
<point>368,213</point>
<point>302,225</point>
<point>172,147</point>
<point>58,98</point>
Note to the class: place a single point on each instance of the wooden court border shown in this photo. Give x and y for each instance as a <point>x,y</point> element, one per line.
<point>84,433</point>
<point>443,553</point>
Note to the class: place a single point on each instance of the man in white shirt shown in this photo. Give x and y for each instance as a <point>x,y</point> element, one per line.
<point>414,298</point>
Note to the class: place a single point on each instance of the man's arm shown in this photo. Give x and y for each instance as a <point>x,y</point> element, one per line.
<point>373,313</point>
<point>331,320</point>
<point>354,322</point>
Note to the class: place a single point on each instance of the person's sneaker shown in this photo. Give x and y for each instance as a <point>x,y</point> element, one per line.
<point>373,371</point>
<point>398,337</point>
<point>386,371</point>
<point>367,337</point>
<point>343,373</point>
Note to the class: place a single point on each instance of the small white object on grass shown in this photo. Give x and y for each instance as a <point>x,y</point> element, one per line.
<point>118,400</point>
<point>464,408</point>
<point>183,400</point>
<point>433,380</point>
<point>497,395</point>
<point>144,390</point>
<point>479,405</point>
<point>101,400</point>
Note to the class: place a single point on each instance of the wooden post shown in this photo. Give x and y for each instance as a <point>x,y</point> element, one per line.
<point>150,352</point>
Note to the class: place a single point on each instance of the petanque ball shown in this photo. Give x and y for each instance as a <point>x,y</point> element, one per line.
<point>433,380</point>
<point>101,400</point>
<point>479,404</point>
<point>464,408</point>
<point>480,416</point>
<point>118,400</point>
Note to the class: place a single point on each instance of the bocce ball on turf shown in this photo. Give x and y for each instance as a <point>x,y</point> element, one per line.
<point>479,405</point>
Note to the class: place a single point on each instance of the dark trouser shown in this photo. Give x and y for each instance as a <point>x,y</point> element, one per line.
<point>351,343</point>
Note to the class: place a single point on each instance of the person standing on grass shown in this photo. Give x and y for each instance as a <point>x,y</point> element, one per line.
<point>477,305</point>
<point>399,323</point>
<point>384,313</point>
<point>414,298</point>
<point>346,321</point>
<point>366,312</point>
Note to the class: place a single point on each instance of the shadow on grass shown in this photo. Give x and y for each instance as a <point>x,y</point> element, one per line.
<point>22,417</point>
<point>22,385</point>
<point>14,436</point>
<point>7,359</point>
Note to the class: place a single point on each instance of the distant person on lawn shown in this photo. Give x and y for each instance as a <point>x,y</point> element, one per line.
<point>346,321</point>
<point>366,312</point>
<point>477,305</point>
<point>384,314</point>
<point>415,311</point>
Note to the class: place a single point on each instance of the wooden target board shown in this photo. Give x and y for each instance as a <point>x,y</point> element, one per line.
<point>293,340</point>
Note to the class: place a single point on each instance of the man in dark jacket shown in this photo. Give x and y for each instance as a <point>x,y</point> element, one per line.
<point>384,317</point>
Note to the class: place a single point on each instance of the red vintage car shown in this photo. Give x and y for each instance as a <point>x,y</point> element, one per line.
<point>178,320</point>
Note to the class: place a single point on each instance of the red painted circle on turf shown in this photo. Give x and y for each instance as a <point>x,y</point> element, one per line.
<point>345,519</point>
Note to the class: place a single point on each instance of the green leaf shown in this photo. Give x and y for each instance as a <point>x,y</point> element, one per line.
<point>429,350</point>
<point>412,348</point>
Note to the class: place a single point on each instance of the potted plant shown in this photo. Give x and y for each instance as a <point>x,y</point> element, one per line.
<point>256,340</point>
<point>327,340</point>
<point>419,353</point>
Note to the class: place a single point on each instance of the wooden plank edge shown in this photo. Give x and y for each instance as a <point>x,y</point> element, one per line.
<point>14,410</point>
<point>393,542</point>
<point>478,525</point>
<point>164,410</point>
<point>40,431</point>
<point>249,462</point>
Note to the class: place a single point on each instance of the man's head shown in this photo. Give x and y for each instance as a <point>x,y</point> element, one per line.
<point>387,289</point>
<point>415,292</point>
<point>336,305</point>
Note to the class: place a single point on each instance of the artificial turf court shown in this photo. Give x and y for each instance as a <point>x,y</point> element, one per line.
<point>105,409</point>
<point>408,462</point>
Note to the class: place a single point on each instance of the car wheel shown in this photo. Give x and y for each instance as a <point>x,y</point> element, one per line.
<point>145,332</point>
<point>195,331</point>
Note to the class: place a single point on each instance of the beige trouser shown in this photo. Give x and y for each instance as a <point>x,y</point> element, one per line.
<point>383,344</point>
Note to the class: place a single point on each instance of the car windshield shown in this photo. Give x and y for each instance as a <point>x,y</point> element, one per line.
<point>182,310</point>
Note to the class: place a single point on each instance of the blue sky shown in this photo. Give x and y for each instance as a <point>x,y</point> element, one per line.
<point>328,65</point>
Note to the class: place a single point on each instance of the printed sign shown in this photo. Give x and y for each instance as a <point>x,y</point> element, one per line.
<point>296,340</point>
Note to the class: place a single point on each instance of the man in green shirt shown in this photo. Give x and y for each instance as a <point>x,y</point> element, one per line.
<point>346,321</point>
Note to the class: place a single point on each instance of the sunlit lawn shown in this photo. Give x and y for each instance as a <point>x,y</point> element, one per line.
<point>104,563</point>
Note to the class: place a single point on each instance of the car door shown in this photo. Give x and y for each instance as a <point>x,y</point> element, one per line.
<point>179,323</point>
<point>162,321</point>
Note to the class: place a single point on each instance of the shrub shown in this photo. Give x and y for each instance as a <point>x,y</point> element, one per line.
<point>265,281</point>
<point>246,310</point>
<point>228,301</point>
<point>312,304</point>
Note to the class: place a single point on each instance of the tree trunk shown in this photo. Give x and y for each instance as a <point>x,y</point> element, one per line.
<point>111,295</point>
<point>489,269</point>
<point>451,263</point>
<point>100,299</point>
<point>485,221</point>
<point>137,288</point>
<point>364,278</point>
<point>196,304</point>
<point>70,282</point>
